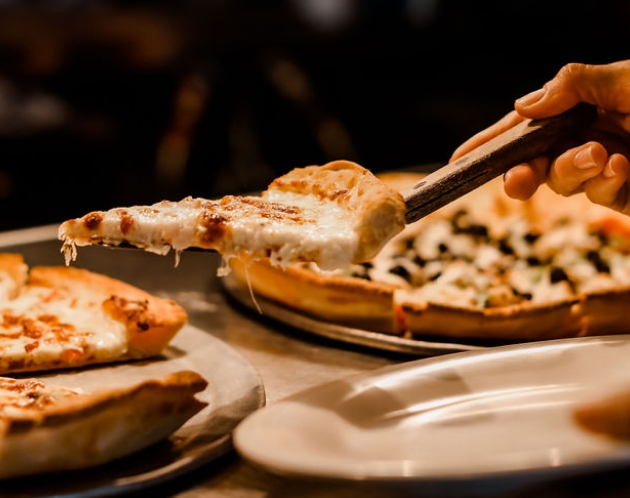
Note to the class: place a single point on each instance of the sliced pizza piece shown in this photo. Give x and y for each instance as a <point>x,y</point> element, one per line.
<point>49,428</point>
<point>331,215</point>
<point>56,317</point>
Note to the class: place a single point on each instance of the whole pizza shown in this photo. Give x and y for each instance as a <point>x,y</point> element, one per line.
<point>483,267</point>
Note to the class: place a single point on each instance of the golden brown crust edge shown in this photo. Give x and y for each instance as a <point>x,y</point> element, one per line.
<point>13,265</point>
<point>337,300</point>
<point>151,321</point>
<point>513,323</point>
<point>379,208</point>
<point>100,427</point>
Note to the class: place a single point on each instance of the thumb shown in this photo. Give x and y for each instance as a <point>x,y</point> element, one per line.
<point>605,86</point>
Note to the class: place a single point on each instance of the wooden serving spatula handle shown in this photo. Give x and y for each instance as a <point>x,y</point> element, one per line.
<point>519,144</point>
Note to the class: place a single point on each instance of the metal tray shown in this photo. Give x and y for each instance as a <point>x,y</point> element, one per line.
<point>367,338</point>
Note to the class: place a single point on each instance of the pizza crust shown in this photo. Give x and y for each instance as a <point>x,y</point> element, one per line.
<point>91,429</point>
<point>376,210</point>
<point>360,304</point>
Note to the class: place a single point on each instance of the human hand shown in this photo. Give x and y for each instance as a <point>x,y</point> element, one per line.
<point>599,164</point>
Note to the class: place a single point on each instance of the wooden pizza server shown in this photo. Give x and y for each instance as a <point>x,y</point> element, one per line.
<point>526,140</point>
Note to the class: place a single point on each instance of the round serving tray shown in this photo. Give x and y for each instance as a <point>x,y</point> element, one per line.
<point>367,338</point>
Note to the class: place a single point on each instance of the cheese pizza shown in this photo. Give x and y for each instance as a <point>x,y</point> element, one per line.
<point>331,215</point>
<point>49,428</point>
<point>483,267</point>
<point>58,317</point>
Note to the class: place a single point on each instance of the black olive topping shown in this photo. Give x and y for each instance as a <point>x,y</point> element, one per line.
<point>558,275</point>
<point>401,271</point>
<point>435,276</point>
<point>525,295</point>
<point>533,261</point>
<point>505,247</point>
<point>480,231</point>
<point>530,237</point>
<point>596,259</point>
<point>420,261</point>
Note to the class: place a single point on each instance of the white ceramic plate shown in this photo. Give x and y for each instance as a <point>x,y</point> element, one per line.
<point>476,417</point>
<point>234,391</point>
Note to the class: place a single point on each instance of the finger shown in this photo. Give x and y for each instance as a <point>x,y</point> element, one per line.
<point>610,188</point>
<point>522,181</point>
<point>571,169</point>
<point>505,123</point>
<point>555,97</point>
<point>606,86</point>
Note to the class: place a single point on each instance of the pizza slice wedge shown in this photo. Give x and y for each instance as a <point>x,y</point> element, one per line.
<point>49,428</point>
<point>58,317</point>
<point>331,215</point>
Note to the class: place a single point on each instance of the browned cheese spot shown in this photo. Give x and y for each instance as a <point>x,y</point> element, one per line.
<point>132,312</point>
<point>215,225</point>
<point>126,222</point>
<point>93,220</point>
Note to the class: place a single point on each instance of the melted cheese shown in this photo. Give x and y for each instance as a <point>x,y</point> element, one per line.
<point>331,232</point>
<point>498,264</point>
<point>43,327</point>
<point>25,398</point>
<point>285,227</point>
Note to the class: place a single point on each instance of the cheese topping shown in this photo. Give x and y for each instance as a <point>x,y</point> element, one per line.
<point>24,398</point>
<point>42,326</point>
<point>461,261</point>
<point>247,227</point>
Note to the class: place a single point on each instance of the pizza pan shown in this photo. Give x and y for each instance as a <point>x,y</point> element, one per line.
<point>266,308</point>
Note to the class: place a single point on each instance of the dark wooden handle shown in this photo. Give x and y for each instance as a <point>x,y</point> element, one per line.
<point>523,142</point>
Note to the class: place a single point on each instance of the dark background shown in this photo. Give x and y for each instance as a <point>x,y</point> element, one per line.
<point>118,103</point>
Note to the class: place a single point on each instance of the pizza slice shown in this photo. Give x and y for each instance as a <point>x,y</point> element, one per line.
<point>331,215</point>
<point>49,428</point>
<point>56,317</point>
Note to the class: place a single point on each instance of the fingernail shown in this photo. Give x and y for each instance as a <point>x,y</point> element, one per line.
<point>609,170</point>
<point>531,98</point>
<point>584,159</point>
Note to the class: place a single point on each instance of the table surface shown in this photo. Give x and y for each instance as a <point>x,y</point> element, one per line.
<point>287,360</point>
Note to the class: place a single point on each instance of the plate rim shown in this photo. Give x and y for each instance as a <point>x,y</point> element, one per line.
<point>509,478</point>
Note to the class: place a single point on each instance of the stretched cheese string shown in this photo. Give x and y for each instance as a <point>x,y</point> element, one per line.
<point>225,269</point>
<point>251,290</point>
